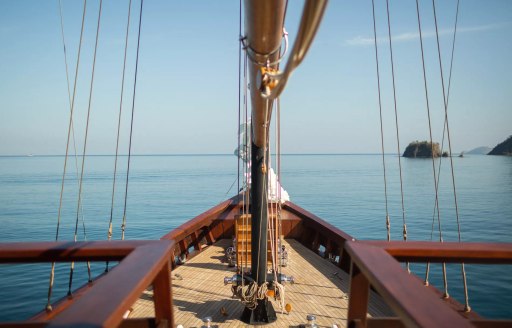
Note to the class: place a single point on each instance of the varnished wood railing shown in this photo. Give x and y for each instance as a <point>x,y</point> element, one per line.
<point>449,252</point>
<point>192,236</point>
<point>315,233</point>
<point>375,264</point>
<point>296,223</point>
<point>143,263</point>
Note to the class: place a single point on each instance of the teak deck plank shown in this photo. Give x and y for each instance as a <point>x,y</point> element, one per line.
<point>320,288</point>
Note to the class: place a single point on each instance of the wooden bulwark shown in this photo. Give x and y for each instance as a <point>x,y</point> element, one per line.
<point>142,264</point>
<point>415,305</point>
<point>66,251</point>
<point>318,251</point>
<point>452,252</point>
<point>320,288</point>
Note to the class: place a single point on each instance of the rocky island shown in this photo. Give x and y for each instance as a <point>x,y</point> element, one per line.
<point>423,149</point>
<point>504,148</point>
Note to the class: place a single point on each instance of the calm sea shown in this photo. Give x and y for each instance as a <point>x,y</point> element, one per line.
<point>165,191</point>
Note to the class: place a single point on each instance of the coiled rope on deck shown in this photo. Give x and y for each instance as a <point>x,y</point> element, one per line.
<point>250,294</point>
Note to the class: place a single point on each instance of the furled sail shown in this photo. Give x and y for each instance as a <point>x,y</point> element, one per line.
<point>276,193</point>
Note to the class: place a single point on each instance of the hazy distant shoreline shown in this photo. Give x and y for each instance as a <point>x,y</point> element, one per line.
<point>220,154</point>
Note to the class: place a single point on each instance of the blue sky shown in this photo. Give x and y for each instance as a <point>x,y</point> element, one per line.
<point>188,74</point>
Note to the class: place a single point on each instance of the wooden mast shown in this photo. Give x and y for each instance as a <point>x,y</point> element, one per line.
<point>264,21</point>
<point>264,28</point>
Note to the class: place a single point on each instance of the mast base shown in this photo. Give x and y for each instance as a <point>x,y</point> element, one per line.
<point>263,314</point>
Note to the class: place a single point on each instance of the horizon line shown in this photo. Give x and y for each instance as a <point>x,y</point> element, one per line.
<point>188,154</point>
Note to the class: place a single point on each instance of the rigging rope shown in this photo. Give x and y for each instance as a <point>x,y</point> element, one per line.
<point>243,152</point>
<point>239,89</point>
<point>278,177</point>
<point>68,87</point>
<point>445,280</point>
<point>70,128</point>
<point>448,97</point>
<point>123,226</point>
<point>264,188</point>
<point>84,150</point>
<point>442,140</point>
<point>388,224</point>
<point>467,308</point>
<point>275,213</point>
<point>270,214</point>
<point>248,155</point>
<point>404,232</point>
<point>109,235</point>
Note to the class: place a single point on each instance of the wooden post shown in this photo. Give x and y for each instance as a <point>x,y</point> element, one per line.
<point>162,294</point>
<point>358,300</point>
<point>316,242</point>
<point>344,263</point>
<point>328,249</point>
<point>183,248</point>
<point>209,236</point>
<point>196,241</point>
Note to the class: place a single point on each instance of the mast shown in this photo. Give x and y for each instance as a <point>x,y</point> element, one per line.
<point>264,21</point>
<point>264,30</point>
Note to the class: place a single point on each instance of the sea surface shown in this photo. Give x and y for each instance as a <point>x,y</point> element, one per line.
<point>165,191</point>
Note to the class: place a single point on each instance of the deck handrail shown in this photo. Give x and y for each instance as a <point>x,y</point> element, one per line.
<point>143,263</point>
<point>332,238</point>
<point>325,227</point>
<point>448,252</point>
<point>204,229</point>
<point>376,264</point>
<point>68,251</point>
<point>203,219</point>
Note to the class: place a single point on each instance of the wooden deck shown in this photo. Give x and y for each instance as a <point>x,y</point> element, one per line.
<point>320,288</point>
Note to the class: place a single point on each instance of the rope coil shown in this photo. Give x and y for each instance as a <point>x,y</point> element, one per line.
<point>250,294</point>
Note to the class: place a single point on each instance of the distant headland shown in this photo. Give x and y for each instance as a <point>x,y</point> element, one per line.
<point>504,148</point>
<point>423,149</point>
<point>484,150</point>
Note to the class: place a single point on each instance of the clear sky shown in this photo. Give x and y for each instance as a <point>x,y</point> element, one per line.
<point>188,74</point>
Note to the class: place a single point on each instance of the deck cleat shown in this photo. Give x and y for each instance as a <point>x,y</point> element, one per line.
<point>207,322</point>
<point>311,318</point>
<point>284,279</point>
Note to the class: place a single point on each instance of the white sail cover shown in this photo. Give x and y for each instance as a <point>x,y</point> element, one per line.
<point>275,190</point>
